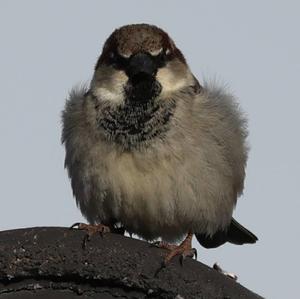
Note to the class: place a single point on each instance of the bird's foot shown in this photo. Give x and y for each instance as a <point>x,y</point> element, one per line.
<point>91,229</point>
<point>184,250</point>
<point>217,267</point>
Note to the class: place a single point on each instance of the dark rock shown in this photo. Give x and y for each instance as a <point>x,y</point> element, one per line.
<point>49,262</point>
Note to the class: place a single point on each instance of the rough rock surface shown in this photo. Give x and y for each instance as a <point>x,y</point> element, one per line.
<point>49,262</point>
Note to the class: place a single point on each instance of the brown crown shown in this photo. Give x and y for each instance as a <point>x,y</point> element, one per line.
<point>131,39</point>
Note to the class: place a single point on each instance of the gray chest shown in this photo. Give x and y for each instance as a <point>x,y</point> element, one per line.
<point>160,193</point>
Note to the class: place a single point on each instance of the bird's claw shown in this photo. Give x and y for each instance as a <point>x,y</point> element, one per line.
<point>188,253</point>
<point>155,244</point>
<point>183,250</point>
<point>90,231</point>
<point>195,253</point>
<point>163,245</point>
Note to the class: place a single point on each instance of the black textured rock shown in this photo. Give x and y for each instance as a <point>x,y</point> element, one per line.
<point>49,262</point>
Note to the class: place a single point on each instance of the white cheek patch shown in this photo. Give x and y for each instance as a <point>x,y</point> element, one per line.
<point>112,90</point>
<point>105,94</point>
<point>171,81</point>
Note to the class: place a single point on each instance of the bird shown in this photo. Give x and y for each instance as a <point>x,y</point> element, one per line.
<point>151,151</point>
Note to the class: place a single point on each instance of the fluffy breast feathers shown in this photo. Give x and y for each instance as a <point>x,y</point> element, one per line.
<point>189,177</point>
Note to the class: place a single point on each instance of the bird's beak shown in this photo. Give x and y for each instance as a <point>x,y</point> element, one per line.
<point>142,85</point>
<point>141,67</point>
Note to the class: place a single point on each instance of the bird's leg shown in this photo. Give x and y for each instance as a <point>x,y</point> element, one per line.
<point>91,229</point>
<point>184,250</point>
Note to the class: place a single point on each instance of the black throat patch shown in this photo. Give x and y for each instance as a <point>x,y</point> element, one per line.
<point>133,124</point>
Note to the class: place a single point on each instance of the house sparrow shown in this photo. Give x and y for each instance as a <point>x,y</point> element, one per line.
<point>150,149</point>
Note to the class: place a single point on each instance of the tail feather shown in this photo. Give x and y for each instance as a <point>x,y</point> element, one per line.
<point>236,234</point>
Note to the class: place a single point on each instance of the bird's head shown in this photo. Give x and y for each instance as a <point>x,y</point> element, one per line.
<point>138,79</point>
<point>138,64</point>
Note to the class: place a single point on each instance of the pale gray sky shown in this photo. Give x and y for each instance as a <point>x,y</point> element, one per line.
<point>253,46</point>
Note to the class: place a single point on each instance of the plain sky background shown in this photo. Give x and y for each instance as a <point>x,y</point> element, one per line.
<point>254,46</point>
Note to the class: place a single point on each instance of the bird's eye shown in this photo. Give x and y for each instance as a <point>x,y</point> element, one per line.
<point>117,61</point>
<point>161,58</point>
<point>112,56</point>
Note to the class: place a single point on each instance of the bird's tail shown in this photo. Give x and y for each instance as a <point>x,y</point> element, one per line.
<point>238,234</point>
